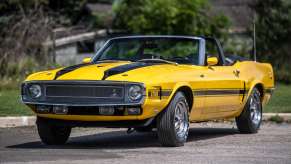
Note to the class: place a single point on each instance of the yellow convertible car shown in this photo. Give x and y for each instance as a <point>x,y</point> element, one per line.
<point>150,82</point>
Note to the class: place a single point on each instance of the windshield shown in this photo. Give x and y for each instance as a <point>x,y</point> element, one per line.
<point>178,50</point>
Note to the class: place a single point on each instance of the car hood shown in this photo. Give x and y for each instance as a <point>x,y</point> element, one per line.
<point>117,71</point>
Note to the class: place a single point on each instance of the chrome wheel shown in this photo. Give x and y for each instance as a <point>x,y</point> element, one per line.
<point>173,122</point>
<point>250,119</point>
<point>255,109</point>
<point>181,120</point>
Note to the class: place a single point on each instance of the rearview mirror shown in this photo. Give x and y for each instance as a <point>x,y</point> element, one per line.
<point>86,60</point>
<point>211,61</point>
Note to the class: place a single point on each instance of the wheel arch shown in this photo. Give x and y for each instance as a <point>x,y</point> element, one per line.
<point>260,87</point>
<point>187,91</point>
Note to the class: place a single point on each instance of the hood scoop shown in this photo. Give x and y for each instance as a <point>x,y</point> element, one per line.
<point>70,69</point>
<point>125,68</point>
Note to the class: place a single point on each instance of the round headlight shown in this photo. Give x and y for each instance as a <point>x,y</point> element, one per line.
<point>35,91</point>
<point>135,92</point>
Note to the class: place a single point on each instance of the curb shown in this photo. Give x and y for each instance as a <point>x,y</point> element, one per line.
<point>6,122</point>
<point>285,116</point>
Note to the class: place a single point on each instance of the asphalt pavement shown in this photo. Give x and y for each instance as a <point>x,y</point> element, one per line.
<point>207,143</point>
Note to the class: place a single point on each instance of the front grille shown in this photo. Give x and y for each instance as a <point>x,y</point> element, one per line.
<point>84,91</point>
<point>80,93</point>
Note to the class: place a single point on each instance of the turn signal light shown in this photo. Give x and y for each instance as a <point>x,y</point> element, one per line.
<point>133,111</point>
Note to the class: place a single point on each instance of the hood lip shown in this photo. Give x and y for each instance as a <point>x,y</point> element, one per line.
<point>105,82</point>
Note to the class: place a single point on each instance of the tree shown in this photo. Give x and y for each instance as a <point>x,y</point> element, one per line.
<point>273,35</point>
<point>183,17</point>
<point>26,24</point>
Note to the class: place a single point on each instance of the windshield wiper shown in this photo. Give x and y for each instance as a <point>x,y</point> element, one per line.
<point>157,61</point>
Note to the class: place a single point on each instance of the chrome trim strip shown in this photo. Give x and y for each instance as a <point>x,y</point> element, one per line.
<point>201,52</point>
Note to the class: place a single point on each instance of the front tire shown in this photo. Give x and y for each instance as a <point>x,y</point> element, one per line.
<point>52,134</point>
<point>173,123</point>
<point>250,119</point>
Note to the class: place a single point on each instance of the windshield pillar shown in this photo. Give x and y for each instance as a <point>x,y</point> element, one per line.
<point>201,51</point>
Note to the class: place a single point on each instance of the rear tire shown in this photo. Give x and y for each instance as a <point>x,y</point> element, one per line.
<point>52,134</point>
<point>173,122</point>
<point>250,119</point>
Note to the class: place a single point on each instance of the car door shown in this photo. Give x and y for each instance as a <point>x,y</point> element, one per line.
<point>224,90</point>
<point>223,87</point>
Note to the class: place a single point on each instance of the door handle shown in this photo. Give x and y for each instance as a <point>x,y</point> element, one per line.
<point>236,72</point>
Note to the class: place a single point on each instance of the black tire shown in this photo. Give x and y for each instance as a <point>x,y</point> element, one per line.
<point>51,134</point>
<point>246,122</point>
<point>167,133</point>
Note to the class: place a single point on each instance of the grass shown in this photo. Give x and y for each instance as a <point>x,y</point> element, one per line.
<point>280,101</point>
<point>10,104</point>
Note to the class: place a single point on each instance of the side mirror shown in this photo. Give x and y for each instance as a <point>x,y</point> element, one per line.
<point>211,61</point>
<point>86,60</point>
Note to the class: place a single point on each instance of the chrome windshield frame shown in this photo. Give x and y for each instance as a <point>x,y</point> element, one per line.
<point>201,50</point>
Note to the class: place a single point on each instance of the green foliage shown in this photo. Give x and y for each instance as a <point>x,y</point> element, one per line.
<point>273,35</point>
<point>15,73</point>
<point>101,1</point>
<point>238,45</point>
<point>72,9</point>
<point>9,6</point>
<point>276,119</point>
<point>182,17</point>
<point>65,12</point>
<point>25,25</point>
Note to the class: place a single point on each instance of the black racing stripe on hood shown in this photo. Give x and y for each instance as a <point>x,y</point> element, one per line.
<point>70,69</point>
<point>125,68</point>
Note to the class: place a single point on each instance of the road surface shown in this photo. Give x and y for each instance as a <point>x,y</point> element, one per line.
<point>207,143</point>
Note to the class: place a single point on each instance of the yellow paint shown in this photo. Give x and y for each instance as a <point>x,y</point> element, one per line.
<point>86,60</point>
<point>171,77</point>
<point>211,61</point>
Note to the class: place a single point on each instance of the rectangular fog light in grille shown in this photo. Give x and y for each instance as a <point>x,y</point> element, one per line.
<point>43,109</point>
<point>133,110</point>
<point>106,110</point>
<point>60,109</point>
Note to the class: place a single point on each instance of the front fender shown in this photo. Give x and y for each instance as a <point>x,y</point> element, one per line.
<point>154,104</point>
<point>176,87</point>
